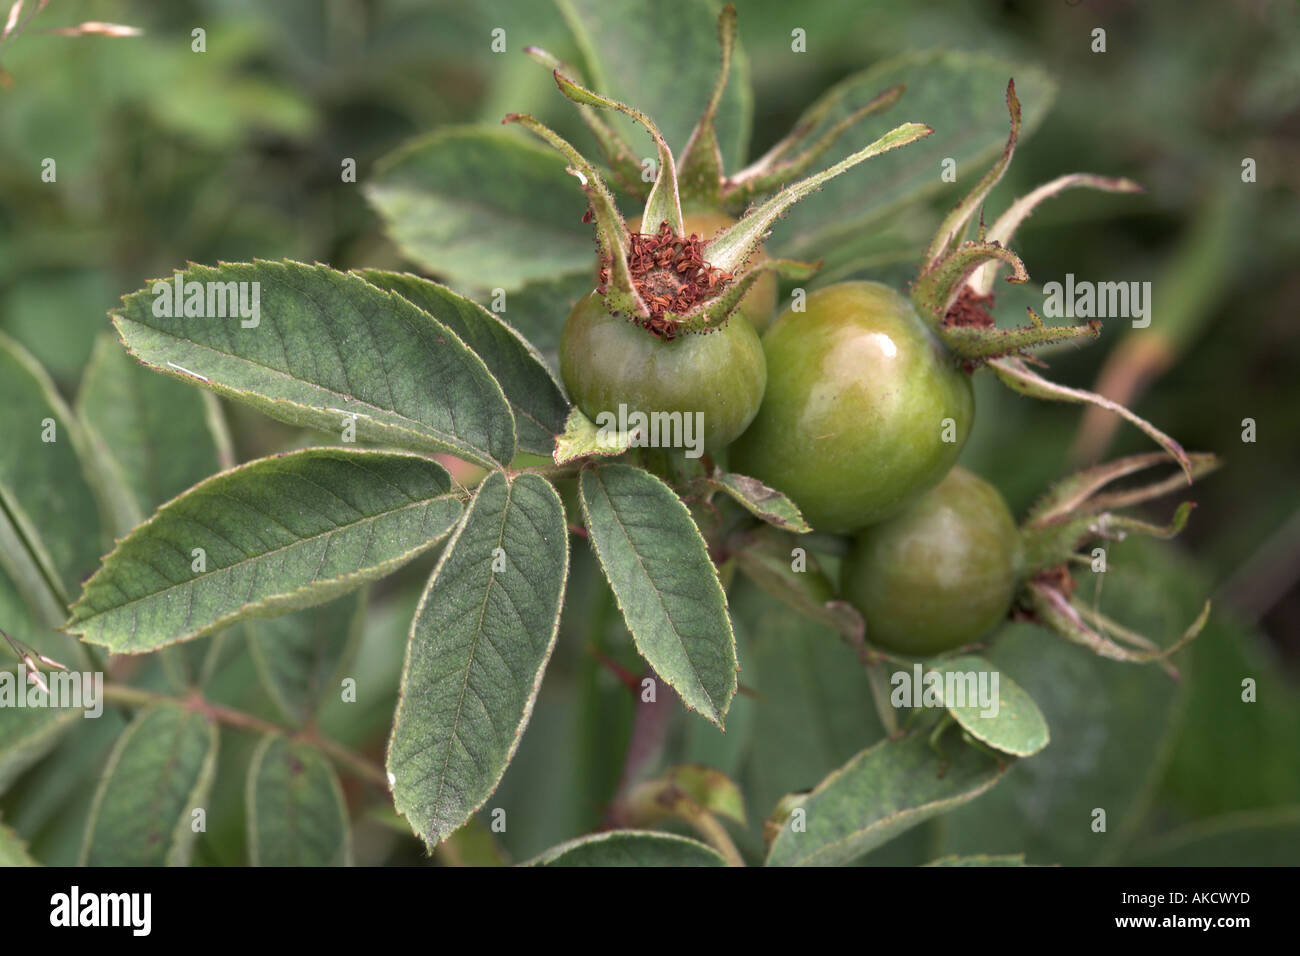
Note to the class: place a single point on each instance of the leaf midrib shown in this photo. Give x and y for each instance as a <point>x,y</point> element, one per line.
<point>368,519</point>
<point>473,652</point>
<point>411,424</point>
<point>658,596</point>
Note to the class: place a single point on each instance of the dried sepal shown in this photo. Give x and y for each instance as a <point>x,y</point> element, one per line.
<point>1048,545</point>
<point>1052,607</point>
<point>1079,493</point>
<point>31,660</point>
<point>954,289</point>
<point>714,313</point>
<point>701,167</point>
<point>732,248</point>
<point>940,282</point>
<point>772,171</point>
<point>1013,373</point>
<point>672,277</point>
<point>1004,227</point>
<point>953,227</point>
<point>1076,512</point>
<point>981,343</point>
<point>664,203</point>
<point>612,234</point>
<point>622,161</point>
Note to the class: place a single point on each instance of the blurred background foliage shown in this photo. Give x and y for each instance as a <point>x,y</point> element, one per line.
<point>166,156</point>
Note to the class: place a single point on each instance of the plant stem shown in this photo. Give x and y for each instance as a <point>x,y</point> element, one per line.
<point>645,744</point>
<point>879,683</point>
<point>138,697</point>
<point>711,828</point>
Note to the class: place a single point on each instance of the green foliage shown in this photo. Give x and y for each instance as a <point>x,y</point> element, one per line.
<point>877,795</point>
<point>13,852</point>
<point>483,207</point>
<point>479,644</point>
<point>296,812</point>
<point>658,565</point>
<point>46,502</point>
<point>630,848</point>
<point>1018,728</point>
<point>154,436</point>
<point>402,458</point>
<point>273,535</point>
<point>276,360</point>
<point>29,734</point>
<point>300,657</point>
<point>157,777</point>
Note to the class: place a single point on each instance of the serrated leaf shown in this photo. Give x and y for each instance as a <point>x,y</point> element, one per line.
<point>277,534</point>
<point>582,438</point>
<point>761,501</point>
<point>55,537</point>
<point>535,398</point>
<point>153,433</point>
<point>961,95</point>
<point>480,206</point>
<point>299,656</point>
<point>13,851</point>
<point>664,65</point>
<point>159,772</point>
<point>327,348</point>
<point>28,733</point>
<point>667,587</point>
<point>296,812</point>
<point>630,848</point>
<point>539,310</point>
<point>478,648</point>
<point>883,791</point>
<point>1018,727</point>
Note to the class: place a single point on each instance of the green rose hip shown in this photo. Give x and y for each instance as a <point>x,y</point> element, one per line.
<point>939,574</point>
<point>864,410</point>
<point>607,361</point>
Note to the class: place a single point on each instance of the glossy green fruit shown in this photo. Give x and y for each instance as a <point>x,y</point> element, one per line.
<point>759,303</point>
<point>864,410</point>
<point>939,574</point>
<point>605,361</point>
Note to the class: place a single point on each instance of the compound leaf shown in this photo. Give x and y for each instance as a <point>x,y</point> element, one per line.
<point>270,536</point>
